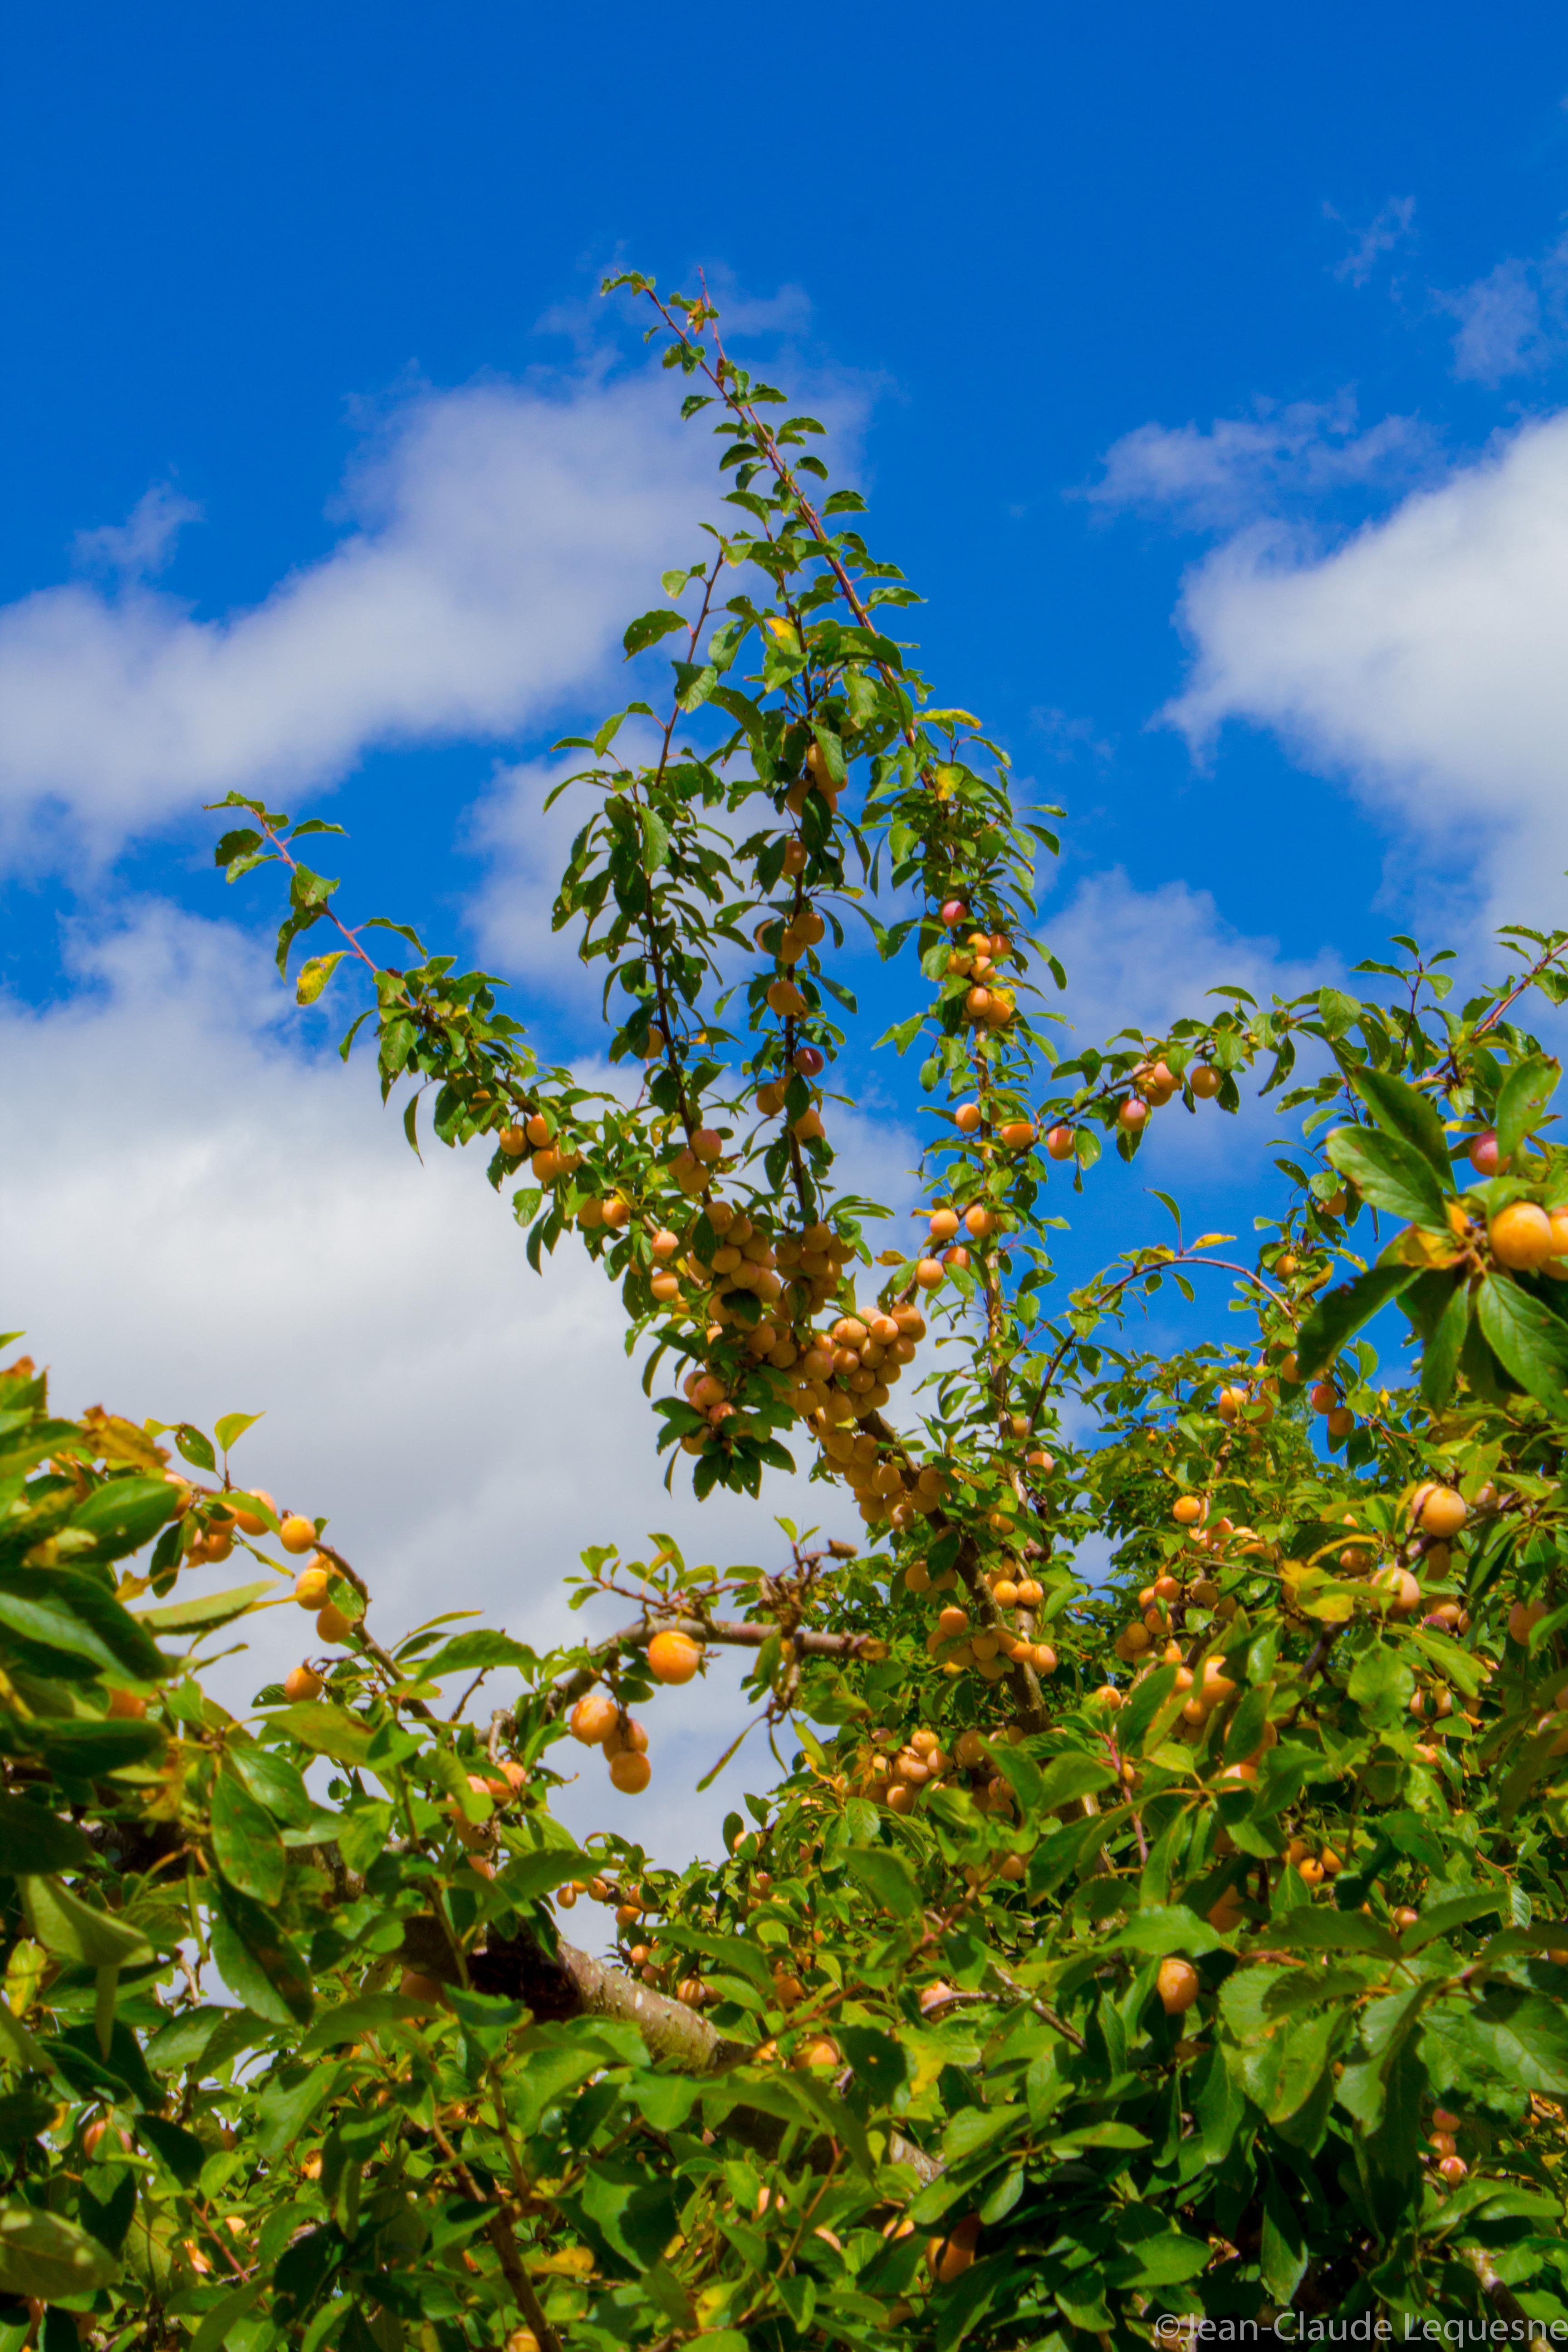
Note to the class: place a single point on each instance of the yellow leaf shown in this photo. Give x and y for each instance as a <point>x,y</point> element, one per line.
<point>122,1440</point>
<point>1416,1248</point>
<point>1212,1241</point>
<point>314,975</point>
<point>1329,1608</point>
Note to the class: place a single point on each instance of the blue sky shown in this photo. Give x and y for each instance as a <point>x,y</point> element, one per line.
<point>1205,368</point>
<point>234,240</point>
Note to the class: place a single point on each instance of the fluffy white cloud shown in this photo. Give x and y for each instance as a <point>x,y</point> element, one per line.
<point>1426,658</point>
<point>499,536</point>
<point>1142,958</point>
<point>1513,319</point>
<point>1500,324</point>
<point>1244,465</point>
<point>144,543</point>
<point>522,846</point>
<point>200,1217</point>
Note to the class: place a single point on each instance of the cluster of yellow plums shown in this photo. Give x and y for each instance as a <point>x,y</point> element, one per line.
<point>599,1720</point>
<point>895,1769</point>
<point>222,1518</point>
<point>1154,1083</point>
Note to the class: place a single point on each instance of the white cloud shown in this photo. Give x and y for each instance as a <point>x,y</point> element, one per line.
<point>1426,658</point>
<point>523,845</point>
<point>1500,325</point>
<point>1143,959</point>
<point>198,1216</point>
<point>501,537</point>
<point>1513,321</point>
<point>1392,226</point>
<point>1244,465</point>
<point>144,544</point>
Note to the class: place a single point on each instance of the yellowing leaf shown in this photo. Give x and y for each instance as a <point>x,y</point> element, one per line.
<point>1335,1607</point>
<point>122,1440</point>
<point>1417,1248</point>
<point>314,975</point>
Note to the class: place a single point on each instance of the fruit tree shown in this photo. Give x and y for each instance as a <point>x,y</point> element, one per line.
<point>1192,1942</point>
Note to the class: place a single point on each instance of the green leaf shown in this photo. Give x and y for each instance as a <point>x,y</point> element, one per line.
<point>17,2047</point>
<point>1342,1312</point>
<point>246,1844</point>
<point>1314,1930</point>
<point>61,1613</point>
<point>34,1842</point>
<point>329,1731</point>
<point>1401,1111</point>
<point>886,1877</point>
<point>1443,1917</point>
<point>1523,1096</point>
<point>364,2014</point>
<point>1381,1681</point>
<point>973,2128</point>
<point>1517,2040</point>
<point>1391,1174</point>
<point>1165,2261</point>
<point>1018,1767</point>
<point>877,2058</point>
<point>528,1876</point>
<point>85,1751</point>
<point>1069,1777</point>
<point>229,2309</point>
<point>43,2254</point>
<point>1338,1013</point>
<point>73,1930</point>
<point>1280,2073</point>
<point>287,2104</point>
<point>694,682</point>
<point>23,2116</point>
<point>655,841</point>
<point>464,1654</point>
<point>274,1782</point>
<point>196,1448</point>
<point>255,1960</point>
<point>213,1609</point>
<point>1165,1927</point>
<point>180,2150</point>
<point>648,629</point>
<point>1527,1339</point>
<point>1282,2250</point>
<point>232,1426</point>
<point>183,2042</point>
<point>1440,1359</point>
<point>637,2216</point>
<point>961,2306</point>
<point>123,1513</point>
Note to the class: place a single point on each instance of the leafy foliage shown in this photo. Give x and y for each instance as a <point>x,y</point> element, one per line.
<point>1193,1942</point>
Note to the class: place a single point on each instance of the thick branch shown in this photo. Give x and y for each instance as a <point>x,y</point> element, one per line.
<point>728,1633</point>
<point>573,1984</point>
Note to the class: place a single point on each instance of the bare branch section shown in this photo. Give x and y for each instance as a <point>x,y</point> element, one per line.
<point>571,1983</point>
<point>730,1633</point>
